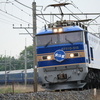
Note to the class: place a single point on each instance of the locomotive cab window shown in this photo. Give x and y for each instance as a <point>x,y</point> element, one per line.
<point>71,37</point>
<point>44,40</point>
<point>52,39</point>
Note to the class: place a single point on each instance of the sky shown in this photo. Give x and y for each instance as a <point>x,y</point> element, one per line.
<point>12,12</point>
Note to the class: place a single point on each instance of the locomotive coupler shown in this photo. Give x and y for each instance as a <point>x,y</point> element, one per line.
<point>61,76</point>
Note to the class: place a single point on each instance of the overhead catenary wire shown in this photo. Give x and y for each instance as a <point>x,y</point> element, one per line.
<point>7,21</point>
<point>41,11</point>
<point>93,19</point>
<point>23,10</point>
<point>18,17</point>
<point>81,11</point>
<point>31,9</point>
<point>6,10</point>
<point>23,4</point>
<point>16,21</point>
<point>73,14</point>
<point>26,12</point>
<point>69,10</point>
<point>15,17</point>
<point>76,6</point>
<point>19,8</point>
<point>43,18</point>
<point>83,14</point>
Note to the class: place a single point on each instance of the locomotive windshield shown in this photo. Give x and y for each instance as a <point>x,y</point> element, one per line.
<point>44,40</point>
<point>72,37</point>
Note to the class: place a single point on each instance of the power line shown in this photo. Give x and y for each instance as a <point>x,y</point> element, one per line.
<point>93,19</point>
<point>83,14</point>
<point>41,11</point>
<point>15,17</point>
<point>43,18</point>
<point>68,9</point>
<point>10,18</point>
<point>6,16</point>
<point>23,10</point>
<point>76,6</point>
<point>20,8</point>
<point>23,4</point>
<point>73,14</point>
<point>18,17</point>
<point>3,21</point>
<point>6,20</point>
<point>78,9</point>
<point>28,7</point>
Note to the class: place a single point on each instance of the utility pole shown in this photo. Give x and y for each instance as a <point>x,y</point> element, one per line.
<point>34,43</point>
<point>34,46</point>
<point>5,70</point>
<point>25,64</point>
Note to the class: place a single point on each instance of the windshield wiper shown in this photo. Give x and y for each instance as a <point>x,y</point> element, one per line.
<point>48,43</point>
<point>68,41</point>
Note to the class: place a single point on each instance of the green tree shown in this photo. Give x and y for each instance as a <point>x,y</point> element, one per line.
<point>29,56</point>
<point>12,63</point>
<point>7,63</point>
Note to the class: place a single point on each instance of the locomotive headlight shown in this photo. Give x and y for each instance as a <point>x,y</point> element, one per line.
<point>71,55</point>
<point>60,30</point>
<point>48,57</point>
<point>57,30</point>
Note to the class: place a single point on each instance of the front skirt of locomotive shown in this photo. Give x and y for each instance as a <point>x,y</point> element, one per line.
<point>63,77</point>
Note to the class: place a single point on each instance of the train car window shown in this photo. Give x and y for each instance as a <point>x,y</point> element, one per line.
<point>42,40</point>
<point>91,50</point>
<point>71,37</point>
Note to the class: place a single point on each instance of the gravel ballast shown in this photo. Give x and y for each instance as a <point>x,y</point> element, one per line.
<point>44,95</point>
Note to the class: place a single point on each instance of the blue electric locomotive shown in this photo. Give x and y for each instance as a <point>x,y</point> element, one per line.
<point>68,56</point>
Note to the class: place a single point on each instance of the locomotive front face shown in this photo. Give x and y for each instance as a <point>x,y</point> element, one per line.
<point>61,58</point>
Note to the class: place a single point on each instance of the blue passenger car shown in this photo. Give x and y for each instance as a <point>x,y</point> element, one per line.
<point>2,77</point>
<point>18,76</point>
<point>15,76</point>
